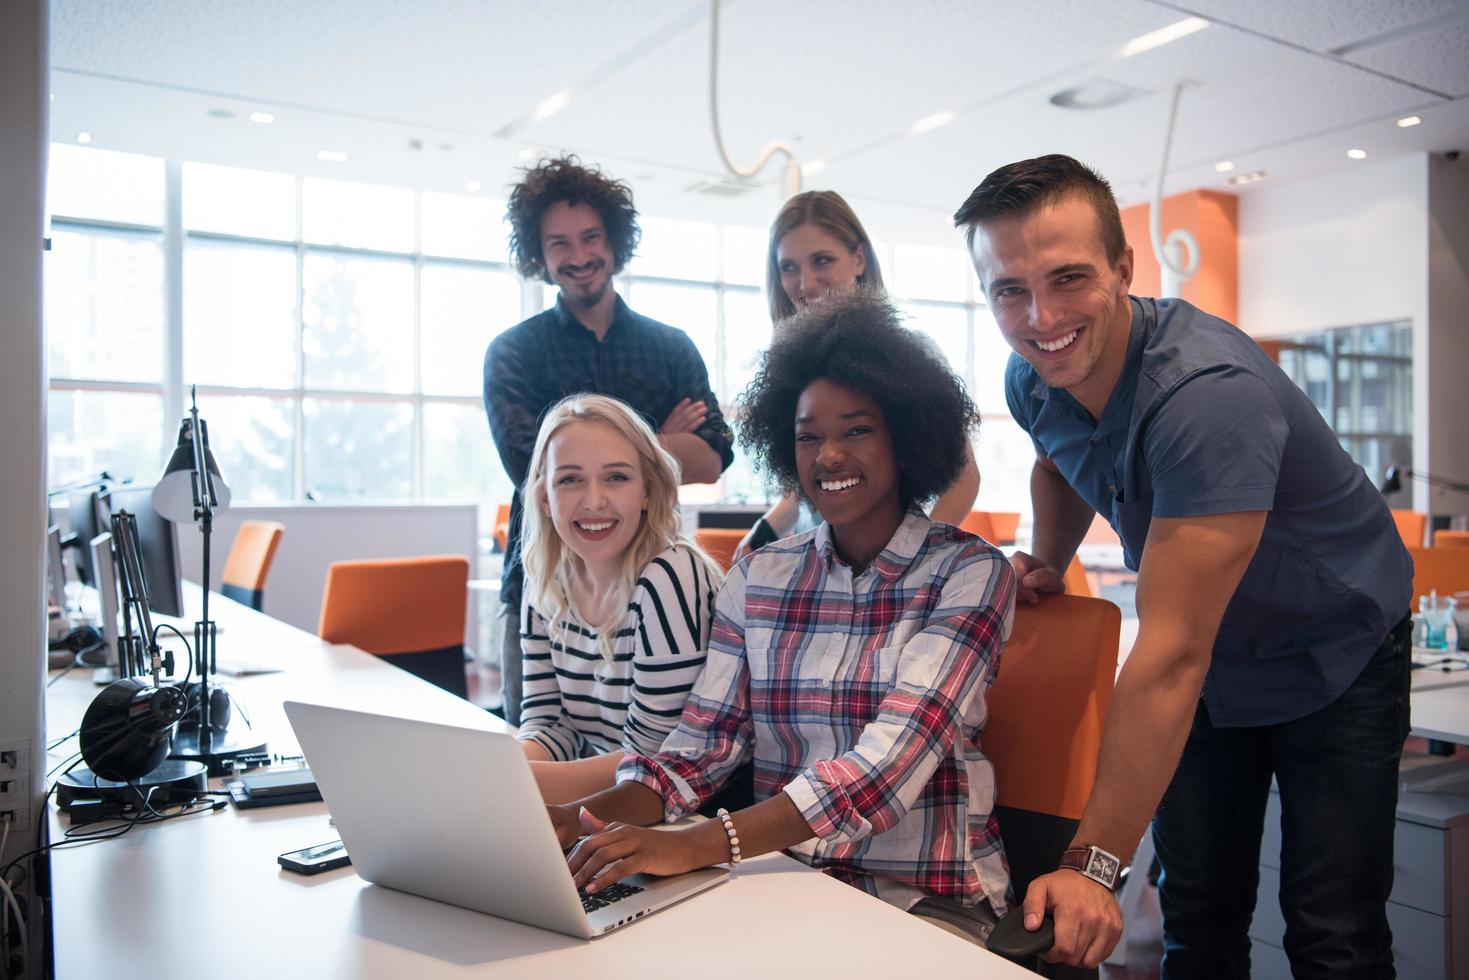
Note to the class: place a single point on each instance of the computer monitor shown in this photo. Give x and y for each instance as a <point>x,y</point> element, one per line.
<point>158,542</point>
<point>87,517</point>
<point>55,568</point>
<point>108,604</point>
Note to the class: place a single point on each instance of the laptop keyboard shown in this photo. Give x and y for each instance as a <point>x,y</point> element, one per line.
<point>612,893</point>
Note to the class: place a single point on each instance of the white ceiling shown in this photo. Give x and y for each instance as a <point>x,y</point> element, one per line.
<point>1281,85</point>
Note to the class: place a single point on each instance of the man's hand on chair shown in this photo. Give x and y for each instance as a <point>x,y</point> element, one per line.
<point>1088,921</point>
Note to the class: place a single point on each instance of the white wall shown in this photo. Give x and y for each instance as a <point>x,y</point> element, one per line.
<point>23,122</point>
<point>1335,251</point>
<point>317,535</point>
<point>1388,241</point>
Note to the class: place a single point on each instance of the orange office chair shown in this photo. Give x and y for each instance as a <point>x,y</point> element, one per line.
<point>1442,570</point>
<point>501,532</point>
<point>1451,539</point>
<point>1411,526</point>
<point>720,543</point>
<point>1075,579</point>
<point>1046,712</point>
<point>249,562</point>
<point>409,611</point>
<point>978,522</point>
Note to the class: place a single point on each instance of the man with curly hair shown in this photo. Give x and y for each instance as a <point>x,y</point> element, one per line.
<point>1272,596</point>
<point>575,228</point>
<point>850,662</point>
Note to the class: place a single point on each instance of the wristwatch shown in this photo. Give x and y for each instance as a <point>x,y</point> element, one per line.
<point>1095,863</point>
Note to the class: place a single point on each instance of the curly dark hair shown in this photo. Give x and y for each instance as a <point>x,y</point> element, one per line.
<point>564,178</point>
<point>857,339</point>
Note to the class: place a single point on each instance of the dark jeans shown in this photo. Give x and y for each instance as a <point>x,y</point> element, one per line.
<point>1337,770</point>
<point>511,668</point>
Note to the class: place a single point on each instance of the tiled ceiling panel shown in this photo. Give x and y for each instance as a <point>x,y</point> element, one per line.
<point>1321,25</point>
<point>793,72</point>
<point>461,65</point>
<point>1436,59</point>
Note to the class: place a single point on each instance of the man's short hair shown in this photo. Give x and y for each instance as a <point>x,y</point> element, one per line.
<point>856,338</point>
<point>1022,188</point>
<point>564,178</point>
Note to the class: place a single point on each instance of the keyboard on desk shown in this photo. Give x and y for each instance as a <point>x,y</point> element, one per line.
<point>612,893</point>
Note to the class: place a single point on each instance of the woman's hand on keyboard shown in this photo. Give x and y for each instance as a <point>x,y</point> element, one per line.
<point>616,850</point>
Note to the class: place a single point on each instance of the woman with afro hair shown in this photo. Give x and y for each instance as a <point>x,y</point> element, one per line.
<point>850,662</point>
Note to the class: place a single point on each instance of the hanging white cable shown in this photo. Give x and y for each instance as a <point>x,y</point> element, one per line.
<point>9,897</point>
<point>1170,264</point>
<point>791,177</point>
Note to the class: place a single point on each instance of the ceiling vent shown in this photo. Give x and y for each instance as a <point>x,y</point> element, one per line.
<point>722,188</point>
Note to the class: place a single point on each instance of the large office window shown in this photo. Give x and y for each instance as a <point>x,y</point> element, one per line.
<point>336,330</point>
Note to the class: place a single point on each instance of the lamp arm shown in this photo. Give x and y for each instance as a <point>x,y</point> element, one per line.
<point>1442,483</point>
<point>204,498</point>
<point>134,586</point>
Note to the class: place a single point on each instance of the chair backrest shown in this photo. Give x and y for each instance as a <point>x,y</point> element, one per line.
<point>978,522</point>
<point>1451,539</point>
<point>720,543</point>
<point>396,605</point>
<point>410,611</point>
<point>1006,524</point>
<point>1075,578</point>
<point>501,531</point>
<point>1046,712</point>
<point>1049,702</point>
<point>249,561</point>
<point>1411,526</point>
<point>1441,570</point>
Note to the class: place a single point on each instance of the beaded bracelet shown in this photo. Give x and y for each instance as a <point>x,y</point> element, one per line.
<point>734,839</point>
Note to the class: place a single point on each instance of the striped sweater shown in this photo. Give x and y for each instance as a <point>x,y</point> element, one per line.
<point>575,704</point>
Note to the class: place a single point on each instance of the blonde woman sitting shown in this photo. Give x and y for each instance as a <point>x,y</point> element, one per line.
<point>618,602</point>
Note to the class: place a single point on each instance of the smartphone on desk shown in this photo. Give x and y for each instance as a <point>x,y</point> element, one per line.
<point>314,860</point>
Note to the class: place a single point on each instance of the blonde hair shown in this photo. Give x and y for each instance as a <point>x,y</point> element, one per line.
<point>831,213</point>
<point>550,565</point>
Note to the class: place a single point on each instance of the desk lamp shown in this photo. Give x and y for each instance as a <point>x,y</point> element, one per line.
<point>191,489</point>
<point>1392,480</point>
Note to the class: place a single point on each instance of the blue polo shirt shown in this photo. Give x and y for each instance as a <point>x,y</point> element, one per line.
<point>1201,422</point>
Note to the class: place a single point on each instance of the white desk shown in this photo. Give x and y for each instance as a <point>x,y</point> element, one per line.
<point>203,896</point>
<point>1442,713</point>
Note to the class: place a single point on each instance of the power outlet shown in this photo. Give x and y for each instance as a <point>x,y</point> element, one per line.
<point>15,756</point>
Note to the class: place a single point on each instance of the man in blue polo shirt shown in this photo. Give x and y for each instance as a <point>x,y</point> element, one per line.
<point>1273,593</point>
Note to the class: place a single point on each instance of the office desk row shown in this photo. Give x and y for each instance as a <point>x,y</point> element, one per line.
<point>203,896</point>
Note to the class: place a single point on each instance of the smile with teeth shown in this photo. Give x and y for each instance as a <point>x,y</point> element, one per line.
<point>835,486</point>
<point>1060,343</point>
<point>595,527</point>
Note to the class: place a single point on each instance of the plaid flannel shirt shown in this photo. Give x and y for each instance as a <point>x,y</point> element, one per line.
<point>863,699</point>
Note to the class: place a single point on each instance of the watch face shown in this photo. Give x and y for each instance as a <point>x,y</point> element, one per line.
<point>1102,866</point>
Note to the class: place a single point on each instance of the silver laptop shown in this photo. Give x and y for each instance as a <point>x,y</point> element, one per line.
<point>461,821</point>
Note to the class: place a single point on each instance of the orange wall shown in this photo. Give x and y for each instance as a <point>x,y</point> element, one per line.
<point>1214,219</point>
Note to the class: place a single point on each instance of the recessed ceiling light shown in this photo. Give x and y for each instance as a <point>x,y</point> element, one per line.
<point>934,121</point>
<point>1408,121</point>
<point>1252,177</point>
<point>1223,166</point>
<point>1357,154</point>
<point>262,117</point>
<point>84,138</point>
<point>1094,93</point>
<point>221,114</point>
<point>551,105</point>
<point>814,167</point>
<point>1163,35</point>
<point>528,153</point>
<point>473,186</point>
<point>331,156</point>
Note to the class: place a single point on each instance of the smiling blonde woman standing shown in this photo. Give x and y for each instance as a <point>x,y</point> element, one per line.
<point>817,246</point>
<point>617,603</point>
